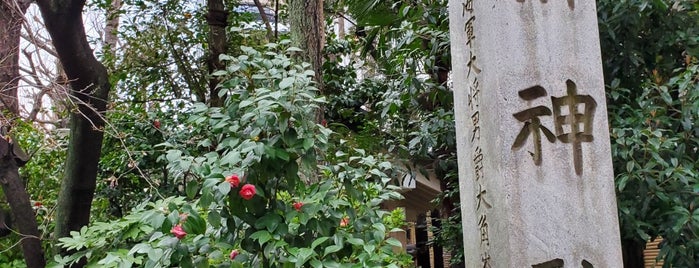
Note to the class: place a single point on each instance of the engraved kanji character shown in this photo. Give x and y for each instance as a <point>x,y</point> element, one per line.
<point>555,263</point>
<point>472,65</point>
<point>473,94</point>
<point>467,6</point>
<point>478,163</point>
<point>483,229</point>
<point>481,198</point>
<point>580,124</point>
<point>469,29</point>
<point>532,123</point>
<point>485,259</point>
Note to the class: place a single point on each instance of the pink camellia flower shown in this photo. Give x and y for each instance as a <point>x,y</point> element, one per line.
<point>234,253</point>
<point>344,222</point>
<point>234,180</point>
<point>248,191</point>
<point>178,231</point>
<point>298,206</point>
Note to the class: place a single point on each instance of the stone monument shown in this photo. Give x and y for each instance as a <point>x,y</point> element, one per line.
<point>535,165</point>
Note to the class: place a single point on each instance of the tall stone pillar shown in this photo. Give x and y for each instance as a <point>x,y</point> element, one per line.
<point>535,165</point>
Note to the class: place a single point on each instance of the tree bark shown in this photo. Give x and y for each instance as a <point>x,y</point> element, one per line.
<point>22,211</point>
<point>110,32</point>
<point>217,18</point>
<point>89,91</point>
<point>11,20</point>
<point>308,33</point>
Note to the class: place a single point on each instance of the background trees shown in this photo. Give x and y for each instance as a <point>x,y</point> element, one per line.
<point>650,53</point>
<point>90,87</point>
<point>197,95</point>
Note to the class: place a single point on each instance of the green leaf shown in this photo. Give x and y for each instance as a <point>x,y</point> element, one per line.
<point>629,166</point>
<point>303,255</point>
<point>173,155</point>
<point>394,242</point>
<point>219,73</point>
<point>369,248</point>
<point>231,158</point>
<point>286,82</point>
<point>269,221</point>
<point>660,4</point>
<point>332,249</point>
<point>319,241</point>
<point>261,236</point>
<point>307,143</point>
<point>214,218</point>
<point>192,189</point>
<point>282,154</point>
<point>245,103</point>
<point>224,187</point>
<point>316,263</point>
<point>194,224</point>
<point>355,241</point>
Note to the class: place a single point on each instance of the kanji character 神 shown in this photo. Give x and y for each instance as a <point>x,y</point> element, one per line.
<point>532,123</point>
<point>579,124</point>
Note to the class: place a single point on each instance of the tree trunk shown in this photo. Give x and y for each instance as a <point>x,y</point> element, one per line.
<point>110,32</point>
<point>89,90</point>
<point>308,33</point>
<point>217,18</point>
<point>22,211</point>
<point>11,20</point>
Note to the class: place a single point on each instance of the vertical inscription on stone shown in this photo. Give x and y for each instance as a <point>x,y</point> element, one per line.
<point>482,204</point>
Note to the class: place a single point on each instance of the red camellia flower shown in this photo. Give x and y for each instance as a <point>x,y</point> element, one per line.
<point>298,206</point>
<point>38,204</point>
<point>248,191</point>
<point>178,231</point>
<point>156,124</point>
<point>234,253</point>
<point>234,180</point>
<point>344,222</point>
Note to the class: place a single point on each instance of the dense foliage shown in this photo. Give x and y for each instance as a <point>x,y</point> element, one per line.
<point>650,51</point>
<point>245,171</point>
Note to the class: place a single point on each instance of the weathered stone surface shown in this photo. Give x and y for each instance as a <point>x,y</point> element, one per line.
<point>536,183</point>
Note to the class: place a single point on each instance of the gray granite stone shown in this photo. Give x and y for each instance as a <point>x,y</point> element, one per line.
<point>521,68</point>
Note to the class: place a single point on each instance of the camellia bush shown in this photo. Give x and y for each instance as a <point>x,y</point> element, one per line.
<point>266,192</point>
<point>657,177</point>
